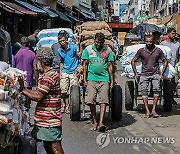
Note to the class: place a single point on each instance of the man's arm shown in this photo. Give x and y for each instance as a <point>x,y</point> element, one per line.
<point>111,74</point>
<point>85,65</point>
<point>165,64</point>
<point>134,66</point>
<point>61,68</point>
<point>36,73</point>
<point>35,95</point>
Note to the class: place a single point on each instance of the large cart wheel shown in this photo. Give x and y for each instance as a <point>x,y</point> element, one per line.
<point>75,112</point>
<point>168,95</point>
<point>116,103</point>
<point>129,95</point>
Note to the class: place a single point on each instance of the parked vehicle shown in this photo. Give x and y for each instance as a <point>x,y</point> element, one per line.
<point>5,46</point>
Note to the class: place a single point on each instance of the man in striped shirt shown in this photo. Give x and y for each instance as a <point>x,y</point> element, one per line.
<point>47,116</point>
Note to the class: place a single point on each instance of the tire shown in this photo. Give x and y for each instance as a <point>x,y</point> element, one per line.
<point>168,95</point>
<point>129,95</point>
<point>75,113</point>
<point>27,145</point>
<point>116,103</point>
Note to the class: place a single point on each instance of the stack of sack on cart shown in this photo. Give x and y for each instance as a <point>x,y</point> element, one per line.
<point>13,112</point>
<point>178,73</point>
<point>125,61</point>
<point>86,32</point>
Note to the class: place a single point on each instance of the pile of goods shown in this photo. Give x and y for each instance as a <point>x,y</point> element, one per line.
<point>14,116</point>
<point>87,31</point>
<point>125,61</point>
<point>178,69</point>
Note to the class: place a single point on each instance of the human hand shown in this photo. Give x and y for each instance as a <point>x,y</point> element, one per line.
<point>60,76</point>
<point>161,77</point>
<point>112,84</point>
<point>85,83</point>
<point>21,82</point>
<point>136,76</point>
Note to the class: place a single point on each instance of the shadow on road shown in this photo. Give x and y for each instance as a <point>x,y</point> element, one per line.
<point>175,110</point>
<point>126,120</point>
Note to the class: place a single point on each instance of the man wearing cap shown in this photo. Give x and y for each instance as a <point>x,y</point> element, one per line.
<point>25,60</point>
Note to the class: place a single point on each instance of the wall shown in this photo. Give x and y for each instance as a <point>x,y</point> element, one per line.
<point>70,3</point>
<point>51,3</point>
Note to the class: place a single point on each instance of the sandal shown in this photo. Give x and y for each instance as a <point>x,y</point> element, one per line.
<point>155,115</point>
<point>102,128</point>
<point>147,116</point>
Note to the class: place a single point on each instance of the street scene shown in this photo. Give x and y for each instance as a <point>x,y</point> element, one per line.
<point>89,76</point>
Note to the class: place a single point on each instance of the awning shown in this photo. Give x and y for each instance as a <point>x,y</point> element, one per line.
<point>9,9</point>
<point>51,13</point>
<point>31,7</point>
<point>85,14</point>
<point>62,16</point>
<point>72,17</point>
<point>166,19</point>
<point>16,8</point>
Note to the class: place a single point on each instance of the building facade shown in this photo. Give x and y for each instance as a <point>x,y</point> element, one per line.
<point>163,8</point>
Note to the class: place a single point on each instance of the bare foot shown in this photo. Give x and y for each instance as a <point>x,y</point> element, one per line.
<point>94,127</point>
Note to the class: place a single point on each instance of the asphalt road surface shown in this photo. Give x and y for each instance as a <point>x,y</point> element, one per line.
<point>133,134</point>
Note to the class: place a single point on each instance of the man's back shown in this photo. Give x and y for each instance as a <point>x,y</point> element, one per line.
<point>24,60</point>
<point>56,60</point>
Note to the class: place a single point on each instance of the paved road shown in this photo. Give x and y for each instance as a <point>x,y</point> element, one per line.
<point>77,139</point>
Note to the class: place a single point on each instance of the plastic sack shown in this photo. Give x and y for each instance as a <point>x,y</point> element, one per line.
<point>128,71</point>
<point>3,95</point>
<point>5,107</point>
<point>170,71</point>
<point>15,72</point>
<point>3,66</point>
<point>177,67</point>
<point>3,120</point>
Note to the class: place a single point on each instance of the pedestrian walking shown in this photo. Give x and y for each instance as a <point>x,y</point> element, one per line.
<point>175,49</point>
<point>150,56</point>
<point>98,74</point>
<point>68,64</point>
<point>48,119</point>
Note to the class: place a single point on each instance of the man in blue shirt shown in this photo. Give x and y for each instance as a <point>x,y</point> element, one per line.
<point>68,64</point>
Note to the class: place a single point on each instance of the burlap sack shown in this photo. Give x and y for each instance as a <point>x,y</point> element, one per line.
<point>85,43</point>
<point>90,34</point>
<point>95,25</point>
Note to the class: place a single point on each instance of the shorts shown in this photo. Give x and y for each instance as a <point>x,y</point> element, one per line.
<point>144,82</point>
<point>47,133</point>
<point>67,80</point>
<point>100,88</point>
